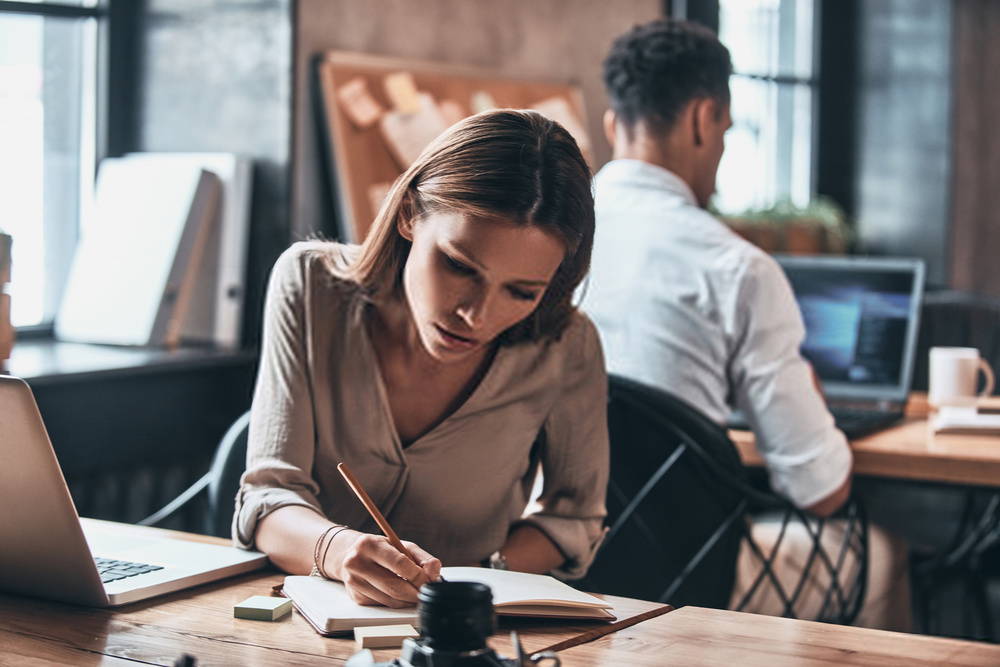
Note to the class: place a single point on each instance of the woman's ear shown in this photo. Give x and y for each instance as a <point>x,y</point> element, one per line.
<point>404,225</point>
<point>406,217</point>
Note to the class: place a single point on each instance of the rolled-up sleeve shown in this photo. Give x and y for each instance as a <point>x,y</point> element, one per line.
<point>807,457</point>
<point>575,456</point>
<point>281,440</point>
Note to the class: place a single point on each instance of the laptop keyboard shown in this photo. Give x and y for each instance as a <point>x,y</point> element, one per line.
<point>856,422</point>
<point>113,570</point>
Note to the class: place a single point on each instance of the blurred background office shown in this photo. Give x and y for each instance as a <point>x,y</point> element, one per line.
<point>860,126</point>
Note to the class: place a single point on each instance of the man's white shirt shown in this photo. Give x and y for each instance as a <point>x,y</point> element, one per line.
<point>684,304</point>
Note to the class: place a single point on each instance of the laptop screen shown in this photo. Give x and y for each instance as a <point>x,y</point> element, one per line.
<point>861,317</point>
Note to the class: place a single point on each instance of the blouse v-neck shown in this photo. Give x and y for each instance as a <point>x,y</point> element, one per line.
<point>371,358</point>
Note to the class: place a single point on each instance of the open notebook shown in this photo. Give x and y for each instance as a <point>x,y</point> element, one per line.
<point>326,605</point>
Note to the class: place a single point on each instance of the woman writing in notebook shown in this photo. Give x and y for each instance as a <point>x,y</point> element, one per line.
<point>442,360</point>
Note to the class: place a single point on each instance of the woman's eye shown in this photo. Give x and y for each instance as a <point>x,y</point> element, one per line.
<point>458,267</point>
<point>523,295</point>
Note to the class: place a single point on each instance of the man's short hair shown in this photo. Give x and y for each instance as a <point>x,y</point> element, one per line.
<point>655,69</point>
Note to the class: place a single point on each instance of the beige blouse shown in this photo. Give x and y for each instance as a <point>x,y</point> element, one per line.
<point>459,489</point>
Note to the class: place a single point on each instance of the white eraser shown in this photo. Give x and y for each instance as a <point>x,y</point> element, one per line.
<point>383,636</point>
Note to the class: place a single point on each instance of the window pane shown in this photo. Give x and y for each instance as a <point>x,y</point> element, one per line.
<point>768,153</point>
<point>47,133</point>
<point>769,37</point>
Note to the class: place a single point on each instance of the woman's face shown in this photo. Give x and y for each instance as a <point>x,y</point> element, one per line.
<point>468,280</point>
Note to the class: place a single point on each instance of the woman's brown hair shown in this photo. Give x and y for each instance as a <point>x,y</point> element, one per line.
<point>518,166</point>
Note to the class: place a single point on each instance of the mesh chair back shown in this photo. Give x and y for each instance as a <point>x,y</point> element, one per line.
<point>677,500</point>
<point>674,529</point>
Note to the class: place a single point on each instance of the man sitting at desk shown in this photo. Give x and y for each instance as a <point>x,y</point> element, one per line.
<point>681,302</point>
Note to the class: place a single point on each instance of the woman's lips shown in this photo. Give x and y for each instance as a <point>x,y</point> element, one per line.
<point>455,340</point>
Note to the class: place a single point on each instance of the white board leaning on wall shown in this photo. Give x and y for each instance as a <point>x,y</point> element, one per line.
<point>162,260</point>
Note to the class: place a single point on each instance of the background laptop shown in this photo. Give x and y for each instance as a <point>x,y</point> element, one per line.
<point>48,553</point>
<point>861,316</point>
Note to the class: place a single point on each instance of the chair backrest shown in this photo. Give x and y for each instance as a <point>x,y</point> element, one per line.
<point>224,476</point>
<point>677,499</point>
<point>674,528</point>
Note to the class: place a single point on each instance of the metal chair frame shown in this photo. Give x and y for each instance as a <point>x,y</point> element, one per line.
<point>841,604</point>
<point>220,502</point>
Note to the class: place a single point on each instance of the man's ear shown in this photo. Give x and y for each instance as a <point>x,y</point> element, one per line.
<point>700,110</point>
<point>609,120</point>
<point>705,115</point>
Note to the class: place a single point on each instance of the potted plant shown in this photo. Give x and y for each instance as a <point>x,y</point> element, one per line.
<point>819,227</point>
<point>6,329</point>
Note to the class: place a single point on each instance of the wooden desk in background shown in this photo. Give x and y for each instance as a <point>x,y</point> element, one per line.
<point>200,622</point>
<point>909,450</point>
<point>695,637</point>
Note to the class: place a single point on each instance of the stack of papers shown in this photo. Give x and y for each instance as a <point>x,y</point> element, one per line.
<point>965,420</point>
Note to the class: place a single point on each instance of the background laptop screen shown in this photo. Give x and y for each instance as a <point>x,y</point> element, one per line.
<point>860,318</point>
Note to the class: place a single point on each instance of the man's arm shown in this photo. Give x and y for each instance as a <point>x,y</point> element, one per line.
<point>807,458</point>
<point>833,502</point>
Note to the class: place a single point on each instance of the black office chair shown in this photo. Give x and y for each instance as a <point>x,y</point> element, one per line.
<point>678,500</point>
<point>962,319</point>
<point>219,485</point>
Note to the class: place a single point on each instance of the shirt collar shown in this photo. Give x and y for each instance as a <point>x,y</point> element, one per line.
<point>639,174</point>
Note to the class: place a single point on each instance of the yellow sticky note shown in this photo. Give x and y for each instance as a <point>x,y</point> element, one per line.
<point>383,636</point>
<point>358,103</point>
<point>402,91</point>
<point>262,608</point>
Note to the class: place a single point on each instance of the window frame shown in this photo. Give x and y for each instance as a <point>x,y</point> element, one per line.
<point>835,68</point>
<point>789,83</point>
<point>100,11</point>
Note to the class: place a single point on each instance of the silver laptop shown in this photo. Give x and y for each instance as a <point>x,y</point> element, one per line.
<point>48,553</point>
<point>861,316</point>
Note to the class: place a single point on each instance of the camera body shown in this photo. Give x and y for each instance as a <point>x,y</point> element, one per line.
<point>455,620</point>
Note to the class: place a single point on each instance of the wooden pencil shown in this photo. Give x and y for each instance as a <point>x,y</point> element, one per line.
<point>369,504</point>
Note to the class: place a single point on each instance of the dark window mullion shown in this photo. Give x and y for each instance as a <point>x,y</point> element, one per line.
<point>780,78</point>
<point>48,9</point>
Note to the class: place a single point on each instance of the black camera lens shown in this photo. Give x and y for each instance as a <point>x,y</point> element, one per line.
<point>455,615</point>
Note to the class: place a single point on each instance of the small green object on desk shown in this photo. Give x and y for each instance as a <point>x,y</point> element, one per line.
<point>262,608</point>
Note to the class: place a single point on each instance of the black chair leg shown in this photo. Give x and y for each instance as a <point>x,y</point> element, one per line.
<point>976,592</point>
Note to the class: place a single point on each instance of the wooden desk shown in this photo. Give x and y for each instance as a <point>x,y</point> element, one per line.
<point>200,622</point>
<point>910,450</point>
<point>693,636</point>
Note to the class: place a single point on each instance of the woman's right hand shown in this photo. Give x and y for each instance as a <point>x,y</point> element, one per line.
<point>375,573</point>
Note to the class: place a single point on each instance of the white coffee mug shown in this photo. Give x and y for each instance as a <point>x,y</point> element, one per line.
<point>954,374</point>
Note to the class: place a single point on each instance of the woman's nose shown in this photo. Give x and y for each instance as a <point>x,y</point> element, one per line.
<point>472,310</point>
